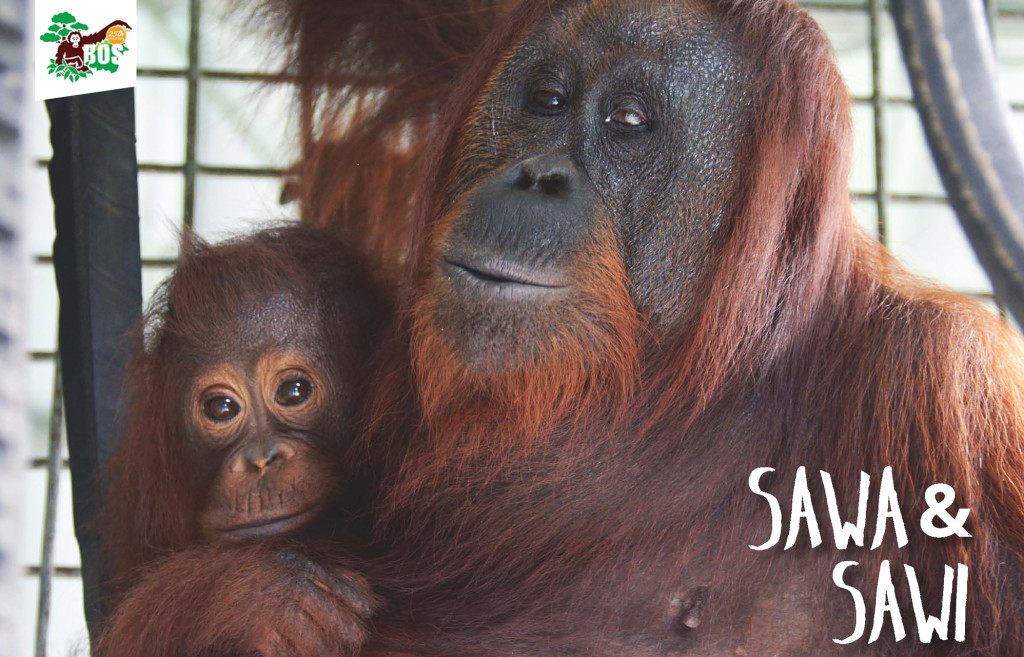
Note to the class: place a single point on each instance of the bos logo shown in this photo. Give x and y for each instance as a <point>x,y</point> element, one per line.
<point>80,54</point>
<point>74,57</point>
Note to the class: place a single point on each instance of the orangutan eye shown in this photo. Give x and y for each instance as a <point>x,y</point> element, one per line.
<point>627,118</point>
<point>221,409</point>
<point>548,101</point>
<point>293,392</point>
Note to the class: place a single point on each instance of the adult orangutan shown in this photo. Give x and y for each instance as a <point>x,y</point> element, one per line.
<point>637,280</point>
<point>242,401</point>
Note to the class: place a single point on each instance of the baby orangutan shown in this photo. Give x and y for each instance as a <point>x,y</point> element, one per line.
<point>241,401</point>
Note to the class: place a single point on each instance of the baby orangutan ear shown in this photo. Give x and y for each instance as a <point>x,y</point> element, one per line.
<point>686,610</point>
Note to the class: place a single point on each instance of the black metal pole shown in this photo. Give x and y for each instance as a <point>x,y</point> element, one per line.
<point>94,181</point>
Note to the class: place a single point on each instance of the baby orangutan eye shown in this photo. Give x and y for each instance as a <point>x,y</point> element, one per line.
<point>293,392</point>
<point>221,408</point>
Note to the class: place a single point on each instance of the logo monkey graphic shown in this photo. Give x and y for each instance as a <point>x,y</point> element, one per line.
<point>70,61</point>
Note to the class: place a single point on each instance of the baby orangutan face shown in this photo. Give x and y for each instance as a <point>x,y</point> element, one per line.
<point>264,419</point>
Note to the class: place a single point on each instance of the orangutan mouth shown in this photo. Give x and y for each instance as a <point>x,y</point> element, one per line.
<point>271,526</point>
<point>500,278</point>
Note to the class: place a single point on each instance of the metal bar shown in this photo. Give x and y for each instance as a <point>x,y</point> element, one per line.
<point>214,170</point>
<point>860,5</point>
<point>53,462</point>
<point>904,198</point>
<point>149,262</point>
<point>860,100</point>
<point>248,172</point>
<point>214,74</point>
<point>878,105</point>
<point>58,571</point>
<point>38,463</point>
<point>241,76</point>
<point>192,113</point>
<point>892,100</point>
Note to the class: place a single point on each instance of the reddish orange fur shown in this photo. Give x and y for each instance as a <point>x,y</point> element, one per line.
<point>188,599</point>
<point>508,415</point>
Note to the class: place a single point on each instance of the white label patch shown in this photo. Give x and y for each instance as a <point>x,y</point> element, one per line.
<point>82,47</point>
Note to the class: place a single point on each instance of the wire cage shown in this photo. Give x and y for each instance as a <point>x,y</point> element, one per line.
<point>214,143</point>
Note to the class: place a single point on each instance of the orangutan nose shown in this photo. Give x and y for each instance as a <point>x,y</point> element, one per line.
<point>257,458</point>
<point>551,175</point>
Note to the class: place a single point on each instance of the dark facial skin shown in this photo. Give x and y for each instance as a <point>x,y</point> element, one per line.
<point>610,134</point>
<point>259,404</point>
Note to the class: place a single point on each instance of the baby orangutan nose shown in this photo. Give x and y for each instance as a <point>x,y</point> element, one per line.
<point>269,487</point>
<point>257,458</point>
